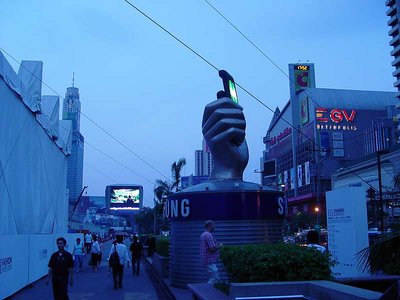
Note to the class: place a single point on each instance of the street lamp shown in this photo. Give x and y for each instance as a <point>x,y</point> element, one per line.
<point>317,226</point>
<point>371,195</point>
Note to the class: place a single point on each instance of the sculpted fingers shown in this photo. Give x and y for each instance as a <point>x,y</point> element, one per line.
<point>232,134</point>
<point>224,103</point>
<point>223,115</point>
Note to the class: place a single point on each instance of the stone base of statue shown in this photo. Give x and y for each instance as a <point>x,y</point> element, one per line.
<point>244,213</point>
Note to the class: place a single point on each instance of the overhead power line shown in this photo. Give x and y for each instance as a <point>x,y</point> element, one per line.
<point>86,116</point>
<point>119,163</point>
<point>274,64</point>
<point>100,172</point>
<point>240,86</point>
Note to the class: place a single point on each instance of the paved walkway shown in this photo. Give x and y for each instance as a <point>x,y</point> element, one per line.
<point>97,285</point>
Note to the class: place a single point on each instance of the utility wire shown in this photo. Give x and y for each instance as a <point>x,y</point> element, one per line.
<point>172,35</point>
<point>97,149</point>
<point>100,172</point>
<point>240,86</point>
<point>86,116</point>
<point>270,60</point>
<point>113,159</point>
<point>119,163</point>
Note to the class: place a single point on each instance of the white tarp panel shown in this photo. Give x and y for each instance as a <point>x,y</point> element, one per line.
<point>9,75</point>
<point>30,73</point>
<point>64,136</point>
<point>33,169</point>
<point>25,258</point>
<point>14,261</point>
<point>50,110</point>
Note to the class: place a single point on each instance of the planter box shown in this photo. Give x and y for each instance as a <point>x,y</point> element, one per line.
<point>206,291</point>
<point>318,290</point>
<point>161,264</point>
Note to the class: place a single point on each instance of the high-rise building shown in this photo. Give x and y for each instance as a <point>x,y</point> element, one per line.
<point>203,161</point>
<point>394,14</point>
<point>72,111</point>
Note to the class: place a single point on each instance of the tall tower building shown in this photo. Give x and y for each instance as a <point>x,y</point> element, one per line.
<point>203,161</point>
<point>394,14</point>
<point>72,111</point>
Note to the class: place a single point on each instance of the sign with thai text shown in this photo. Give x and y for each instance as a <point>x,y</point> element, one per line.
<point>276,139</point>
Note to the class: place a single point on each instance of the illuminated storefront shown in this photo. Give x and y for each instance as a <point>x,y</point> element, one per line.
<point>334,126</point>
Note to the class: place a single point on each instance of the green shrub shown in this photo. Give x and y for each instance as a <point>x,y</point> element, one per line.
<point>275,262</point>
<point>162,245</point>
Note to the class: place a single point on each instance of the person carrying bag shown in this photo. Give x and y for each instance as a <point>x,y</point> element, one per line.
<point>117,258</point>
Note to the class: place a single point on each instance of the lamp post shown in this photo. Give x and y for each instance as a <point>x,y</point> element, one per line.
<point>371,195</point>
<point>379,153</point>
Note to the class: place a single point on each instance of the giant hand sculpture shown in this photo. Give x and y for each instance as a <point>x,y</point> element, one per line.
<point>224,128</point>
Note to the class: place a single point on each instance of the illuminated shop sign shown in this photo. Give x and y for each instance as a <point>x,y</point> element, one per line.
<point>302,67</point>
<point>301,77</point>
<point>276,139</point>
<point>342,119</point>
<point>337,127</point>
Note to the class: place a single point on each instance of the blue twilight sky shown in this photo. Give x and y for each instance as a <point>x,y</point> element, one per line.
<point>150,92</point>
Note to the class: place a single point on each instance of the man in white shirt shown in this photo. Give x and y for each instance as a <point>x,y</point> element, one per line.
<point>122,251</point>
<point>88,242</point>
<point>95,253</point>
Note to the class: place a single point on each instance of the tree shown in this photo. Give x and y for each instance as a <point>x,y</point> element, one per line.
<point>145,220</point>
<point>176,169</point>
<point>384,254</point>
<point>162,189</point>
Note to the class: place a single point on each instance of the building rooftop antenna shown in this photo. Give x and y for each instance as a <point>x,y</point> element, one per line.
<point>73,79</point>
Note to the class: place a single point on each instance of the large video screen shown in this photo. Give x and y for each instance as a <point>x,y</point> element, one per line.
<point>125,199</point>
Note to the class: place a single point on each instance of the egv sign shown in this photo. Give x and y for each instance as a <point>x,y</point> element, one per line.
<point>335,115</point>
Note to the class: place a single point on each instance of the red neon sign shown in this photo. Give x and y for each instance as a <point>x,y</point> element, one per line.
<point>335,115</point>
<point>276,139</point>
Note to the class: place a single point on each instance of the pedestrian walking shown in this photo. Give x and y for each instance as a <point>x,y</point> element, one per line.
<point>78,253</point>
<point>117,258</point>
<point>136,249</point>
<point>88,242</point>
<point>209,251</point>
<point>61,270</point>
<point>95,253</point>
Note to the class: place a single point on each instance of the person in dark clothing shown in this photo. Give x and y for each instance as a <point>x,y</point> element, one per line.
<point>61,270</point>
<point>118,270</point>
<point>136,249</point>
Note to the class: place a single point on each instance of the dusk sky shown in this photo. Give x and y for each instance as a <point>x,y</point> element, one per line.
<point>149,92</point>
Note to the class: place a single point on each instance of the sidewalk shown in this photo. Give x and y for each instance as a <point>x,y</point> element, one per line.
<point>99,285</point>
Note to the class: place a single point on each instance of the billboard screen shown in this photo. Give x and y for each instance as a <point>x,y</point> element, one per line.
<point>124,198</point>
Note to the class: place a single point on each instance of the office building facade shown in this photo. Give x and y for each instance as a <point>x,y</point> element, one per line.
<point>394,14</point>
<point>203,161</point>
<point>318,131</point>
<point>71,111</point>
